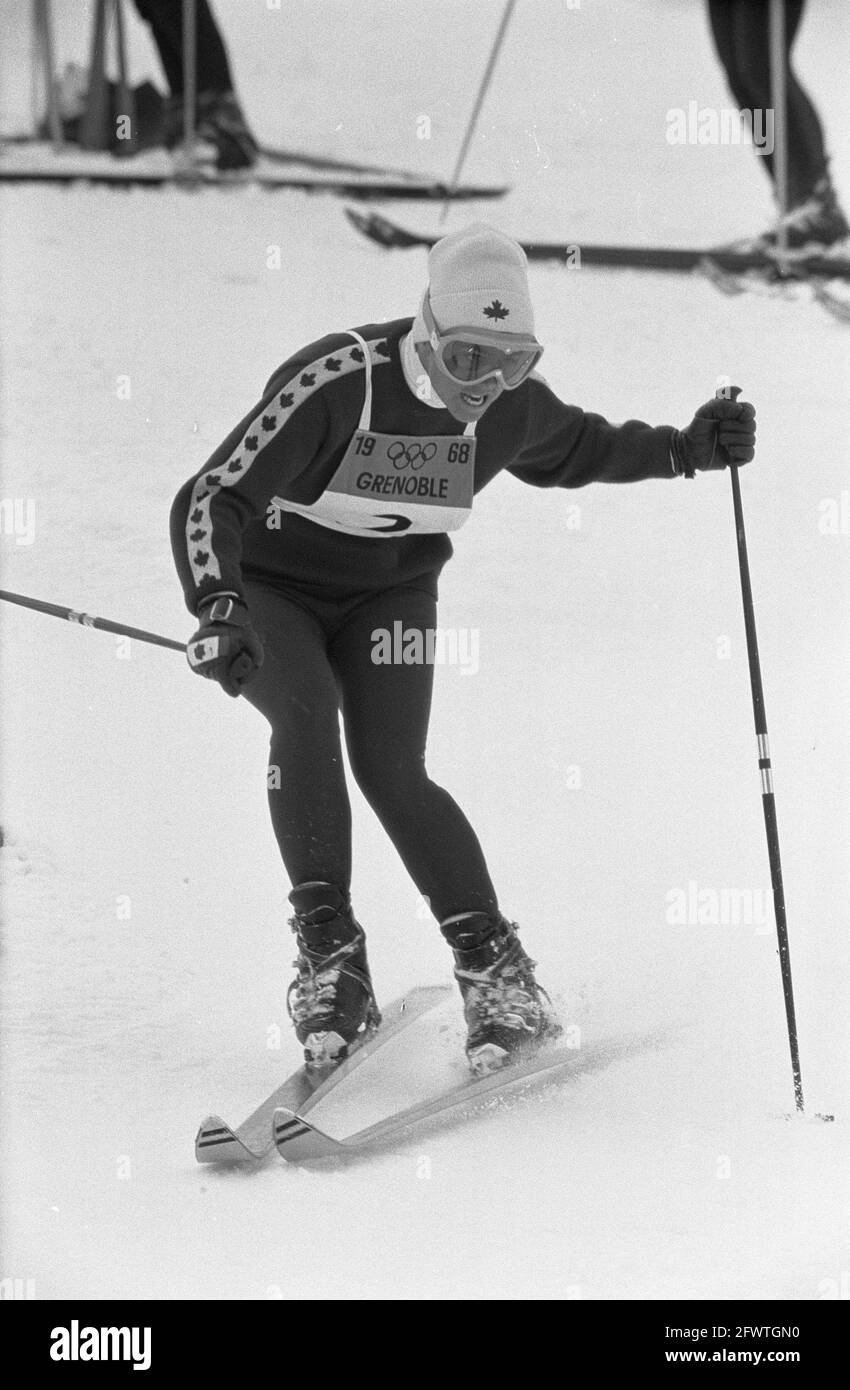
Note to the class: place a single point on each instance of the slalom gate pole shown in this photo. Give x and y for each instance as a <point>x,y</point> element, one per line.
<point>479,101</point>
<point>126,99</point>
<point>94,128</point>
<point>85,620</point>
<point>190,74</point>
<point>779,102</point>
<point>43,20</point>
<point>766,771</point>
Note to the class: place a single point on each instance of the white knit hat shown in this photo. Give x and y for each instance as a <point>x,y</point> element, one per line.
<point>478,279</point>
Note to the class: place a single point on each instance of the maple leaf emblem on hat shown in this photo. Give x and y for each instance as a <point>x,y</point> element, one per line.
<point>496,310</point>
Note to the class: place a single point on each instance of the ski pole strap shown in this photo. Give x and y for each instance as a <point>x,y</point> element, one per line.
<point>55,610</point>
<point>677,457</point>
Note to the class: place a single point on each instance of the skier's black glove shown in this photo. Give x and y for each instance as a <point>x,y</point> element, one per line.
<point>225,648</point>
<point>723,431</point>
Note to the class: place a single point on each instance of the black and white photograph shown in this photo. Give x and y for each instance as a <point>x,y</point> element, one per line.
<point>425,498</point>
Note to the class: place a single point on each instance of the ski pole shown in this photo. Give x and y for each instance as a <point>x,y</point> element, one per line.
<point>86,620</point>
<point>779,102</point>
<point>126,97</point>
<point>190,75</point>
<point>766,771</point>
<point>479,100</point>
<point>43,35</point>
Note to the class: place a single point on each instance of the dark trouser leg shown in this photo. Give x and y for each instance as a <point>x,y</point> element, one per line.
<point>741,32</point>
<point>807,158</point>
<point>296,691</point>
<point>166,20</point>
<point>386,710</point>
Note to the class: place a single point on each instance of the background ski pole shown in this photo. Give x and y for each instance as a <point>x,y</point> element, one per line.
<point>190,76</point>
<point>766,771</point>
<point>479,100</point>
<point>45,57</point>
<point>86,620</point>
<point>779,102</point>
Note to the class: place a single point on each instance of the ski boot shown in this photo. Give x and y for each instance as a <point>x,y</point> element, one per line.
<point>331,1000</point>
<point>222,140</point>
<point>502,1002</point>
<point>221,121</point>
<point>813,227</point>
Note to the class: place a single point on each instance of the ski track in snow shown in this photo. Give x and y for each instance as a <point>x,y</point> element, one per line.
<point>130,786</point>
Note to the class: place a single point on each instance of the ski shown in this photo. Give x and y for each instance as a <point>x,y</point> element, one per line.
<point>668,258</point>
<point>343,166</point>
<point>367,189</point>
<point>157,170</point>
<point>276,156</point>
<point>299,1141</point>
<point>790,280</point>
<point>251,1141</point>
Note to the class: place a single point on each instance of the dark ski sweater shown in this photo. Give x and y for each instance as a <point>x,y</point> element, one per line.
<point>292,442</point>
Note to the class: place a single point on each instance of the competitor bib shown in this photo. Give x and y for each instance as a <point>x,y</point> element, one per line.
<point>395,484</point>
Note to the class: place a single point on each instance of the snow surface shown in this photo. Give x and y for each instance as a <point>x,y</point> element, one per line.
<point>128,785</point>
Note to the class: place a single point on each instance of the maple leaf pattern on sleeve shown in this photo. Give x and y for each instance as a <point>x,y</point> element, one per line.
<point>200,526</point>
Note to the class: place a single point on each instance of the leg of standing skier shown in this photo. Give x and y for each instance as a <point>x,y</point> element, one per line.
<point>219,120</point>
<point>813,219</point>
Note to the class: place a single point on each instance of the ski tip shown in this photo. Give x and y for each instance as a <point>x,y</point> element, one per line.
<point>371,225</point>
<point>296,1139</point>
<point>215,1142</point>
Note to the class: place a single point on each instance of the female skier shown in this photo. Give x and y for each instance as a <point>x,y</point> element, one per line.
<point>322,520</point>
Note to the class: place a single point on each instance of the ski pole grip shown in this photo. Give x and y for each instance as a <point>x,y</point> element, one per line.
<point>726,393</point>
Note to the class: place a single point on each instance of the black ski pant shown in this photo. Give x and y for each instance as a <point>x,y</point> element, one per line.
<point>319,663</point>
<point>165,18</point>
<point>741,30</point>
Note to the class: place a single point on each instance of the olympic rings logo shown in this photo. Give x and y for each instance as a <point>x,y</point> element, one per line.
<point>403,455</point>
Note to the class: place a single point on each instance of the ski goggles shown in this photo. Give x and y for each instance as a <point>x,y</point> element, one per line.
<point>472,356</point>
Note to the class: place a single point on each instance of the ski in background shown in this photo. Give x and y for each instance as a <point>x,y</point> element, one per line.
<point>273,155</point>
<point>156,170</point>
<point>826,278</point>
<point>342,166</point>
<point>821,265</point>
